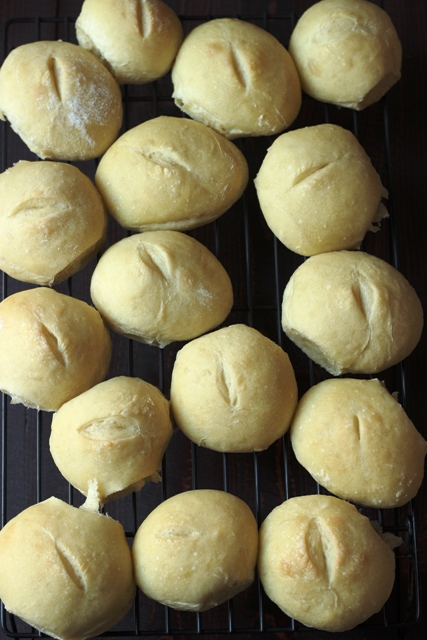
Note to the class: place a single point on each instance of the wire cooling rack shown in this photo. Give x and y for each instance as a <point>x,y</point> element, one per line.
<point>259,267</point>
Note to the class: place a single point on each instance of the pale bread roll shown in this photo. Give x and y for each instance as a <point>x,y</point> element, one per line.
<point>137,40</point>
<point>236,78</point>
<point>66,571</point>
<point>351,312</point>
<point>318,190</point>
<point>346,419</point>
<point>60,99</point>
<point>233,390</point>
<point>347,52</point>
<point>112,436</point>
<point>196,550</point>
<point>161,286</point>
<point>52,348</point>
<point>53,221</point>
<point>170,173</point>
<point>324,564</point>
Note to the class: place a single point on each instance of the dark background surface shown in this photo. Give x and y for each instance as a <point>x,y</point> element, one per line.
<point>394,135</point>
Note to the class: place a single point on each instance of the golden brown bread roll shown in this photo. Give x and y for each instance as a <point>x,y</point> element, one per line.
<point>324,564</point>
<point>347,52</point>
<point>233,390</point>
<point>52,347</point>
<point>60,99</point>
<point>170,173</point>
<point>66,571</point>
<point>53,221</point>
<point>112,436</point>
<point>196,550</point>
<point>236,78</point>
<point>351,312</point>
<point>161,286</point>
<point>356,440</point>
<point>137,40</point>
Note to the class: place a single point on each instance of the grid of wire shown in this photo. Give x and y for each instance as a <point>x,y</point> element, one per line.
<point>259,267</point>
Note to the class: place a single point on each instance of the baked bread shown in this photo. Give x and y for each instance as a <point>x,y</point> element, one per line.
<point>196,550</point>
<point>53,221</point>
<point>318,190</point>
<point>161,286</point>
<point>66,571</point>
<point>112,436</point>
<point>236,78</point>
<point>347,52</point>
<point>233,390</point>
<point>137,40</point>
<point>351,312</point>
<point>60,99</point>
<point>170,173</point>
<point>52,348</point>
<point>345,419</point>
<point>323,563</point>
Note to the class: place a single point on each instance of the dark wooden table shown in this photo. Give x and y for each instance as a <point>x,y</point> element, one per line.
<point>395,136</point>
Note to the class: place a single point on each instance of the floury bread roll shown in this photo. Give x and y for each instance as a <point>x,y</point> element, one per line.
<point>324,564</point>
<point>170,173</point>
<point>53,221</point>
<point>137,40</point>
<point>196,550</point>
<point>236,78</point>
<point>161,286</point>
<point>342,420</point>
<point>318,190</point>
<point>66,571</point>
<point>52,348</point>
<point>233,390</point>
<point>351,312</point>
<point>347,52</point>
<point>112,437</point>
<point>60,99</point>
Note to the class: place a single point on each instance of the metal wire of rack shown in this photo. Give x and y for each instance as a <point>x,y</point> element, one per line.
<point>259,267</point>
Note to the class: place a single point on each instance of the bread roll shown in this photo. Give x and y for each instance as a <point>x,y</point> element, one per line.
<point>318,190</point>
<point>196,550</point>
<point>52,348</point>
<point>233,390</point>
<point>351,312</point>
<point>324,564</point>
<point>53,221</point>
<point>347,52</point>
<point>346,419</point>
<point>112,436</point>
<point>60,99</point>
<point>236,78</point>
<point>66,571</point>
<point>137,40</point>
<point>161,286</point>
<point>170,173</point>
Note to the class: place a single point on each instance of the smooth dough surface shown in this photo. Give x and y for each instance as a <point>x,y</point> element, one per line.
<point>237,78</point>
<point>113,435</point>
<point>347,52</point>
<point>342,420</point>
<point>196,550</point>
<point>57,560</point>
<point>52,347</point>
<point>351,312</point>
<point>233,390</point>
<point>137,40</point>
<point>60,99</point>
<point>318,190</point>
<point>170,173</point>
<point>161,286</point>
<point>53,221</point>
<point>323,563</point>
